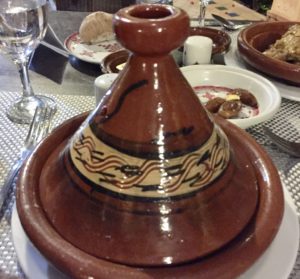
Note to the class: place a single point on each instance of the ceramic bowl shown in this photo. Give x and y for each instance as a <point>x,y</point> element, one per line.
<point>111,63</point>
<point>255,39</point>
<point>221,42</point>
<point>267,95</point>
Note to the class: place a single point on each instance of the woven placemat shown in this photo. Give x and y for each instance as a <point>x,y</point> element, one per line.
<point>12,137</point>
<point>285,123</point>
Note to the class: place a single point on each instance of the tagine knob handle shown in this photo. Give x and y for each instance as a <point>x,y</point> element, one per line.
<point>167,31</point>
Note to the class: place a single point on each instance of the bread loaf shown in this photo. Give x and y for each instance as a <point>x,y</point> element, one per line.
<point>96,27</point>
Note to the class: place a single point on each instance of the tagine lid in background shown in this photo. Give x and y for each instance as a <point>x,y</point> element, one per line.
<point>149,179</point>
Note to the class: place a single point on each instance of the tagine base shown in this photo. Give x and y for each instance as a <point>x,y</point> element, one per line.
<point>246,247</point>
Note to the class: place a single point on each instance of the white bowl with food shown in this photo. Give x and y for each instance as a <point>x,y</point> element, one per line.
<point>241,96</point>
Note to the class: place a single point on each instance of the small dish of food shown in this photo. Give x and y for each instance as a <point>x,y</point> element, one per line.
<point>241,96</point>
<point>221,40</point>
<point>236,103</point>
<point>273,48</point>
<point>114,62</point>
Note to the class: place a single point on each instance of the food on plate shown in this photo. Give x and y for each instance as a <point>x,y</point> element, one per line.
<point>213,105</point>
<point>230,109</point>
<point>287,48</point>
<point>227,102</point>
<point>121,66</point>
<point>246,97</point>
<point>96,27</point>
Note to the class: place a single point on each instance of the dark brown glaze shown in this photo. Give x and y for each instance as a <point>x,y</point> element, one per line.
<point>151,233</point>
<point>148,168</point>
<point>255,39</point>
<point>148,179</point>
<point>150,96</point>
<point>152,30</point>
<point>246,247</point>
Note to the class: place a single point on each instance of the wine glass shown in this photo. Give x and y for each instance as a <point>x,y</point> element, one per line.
<point>203,5</point>
<point>23,25</point>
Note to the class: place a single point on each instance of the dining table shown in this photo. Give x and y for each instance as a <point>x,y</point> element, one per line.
<point>70,82</point>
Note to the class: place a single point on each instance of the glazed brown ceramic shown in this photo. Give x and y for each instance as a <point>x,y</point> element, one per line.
<point>149,186</point>
<point>221,40</point>
<point>255,39</point>
<point>111,62</point>
<point>153,175</point>
<point>148,179</point>
<point>229,262</point>
<point>221,43</point>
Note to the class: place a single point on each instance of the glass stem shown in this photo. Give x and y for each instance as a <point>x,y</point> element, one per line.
<point>202,14</point>
<point>23,71</point>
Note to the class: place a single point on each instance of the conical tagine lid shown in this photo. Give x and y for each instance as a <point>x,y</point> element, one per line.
<point>149,178</point>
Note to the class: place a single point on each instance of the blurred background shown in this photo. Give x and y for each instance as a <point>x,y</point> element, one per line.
<point>113,5</point>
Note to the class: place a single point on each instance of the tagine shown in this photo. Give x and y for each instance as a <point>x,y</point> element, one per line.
<point>148,182</point>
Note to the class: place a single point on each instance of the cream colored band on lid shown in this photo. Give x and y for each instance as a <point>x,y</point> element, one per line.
<point>147,178</point>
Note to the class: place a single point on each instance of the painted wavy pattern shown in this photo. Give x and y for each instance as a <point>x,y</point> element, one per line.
<point>114,172</point>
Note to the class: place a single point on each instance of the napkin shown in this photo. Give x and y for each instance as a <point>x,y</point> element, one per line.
<point>49,63</point>
<point>285,10</point>
<point>50,58</point>
<point>52,39</point>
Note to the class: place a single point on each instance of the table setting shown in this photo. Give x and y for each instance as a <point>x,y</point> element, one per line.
<point>80,92</point>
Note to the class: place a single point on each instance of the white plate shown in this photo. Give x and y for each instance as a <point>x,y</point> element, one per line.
<point>33,264</point>
<point>266,93</point>
<point>277,262</point>
<point>92,53</point>
<point>232,58</point>
<point>279,259</point>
